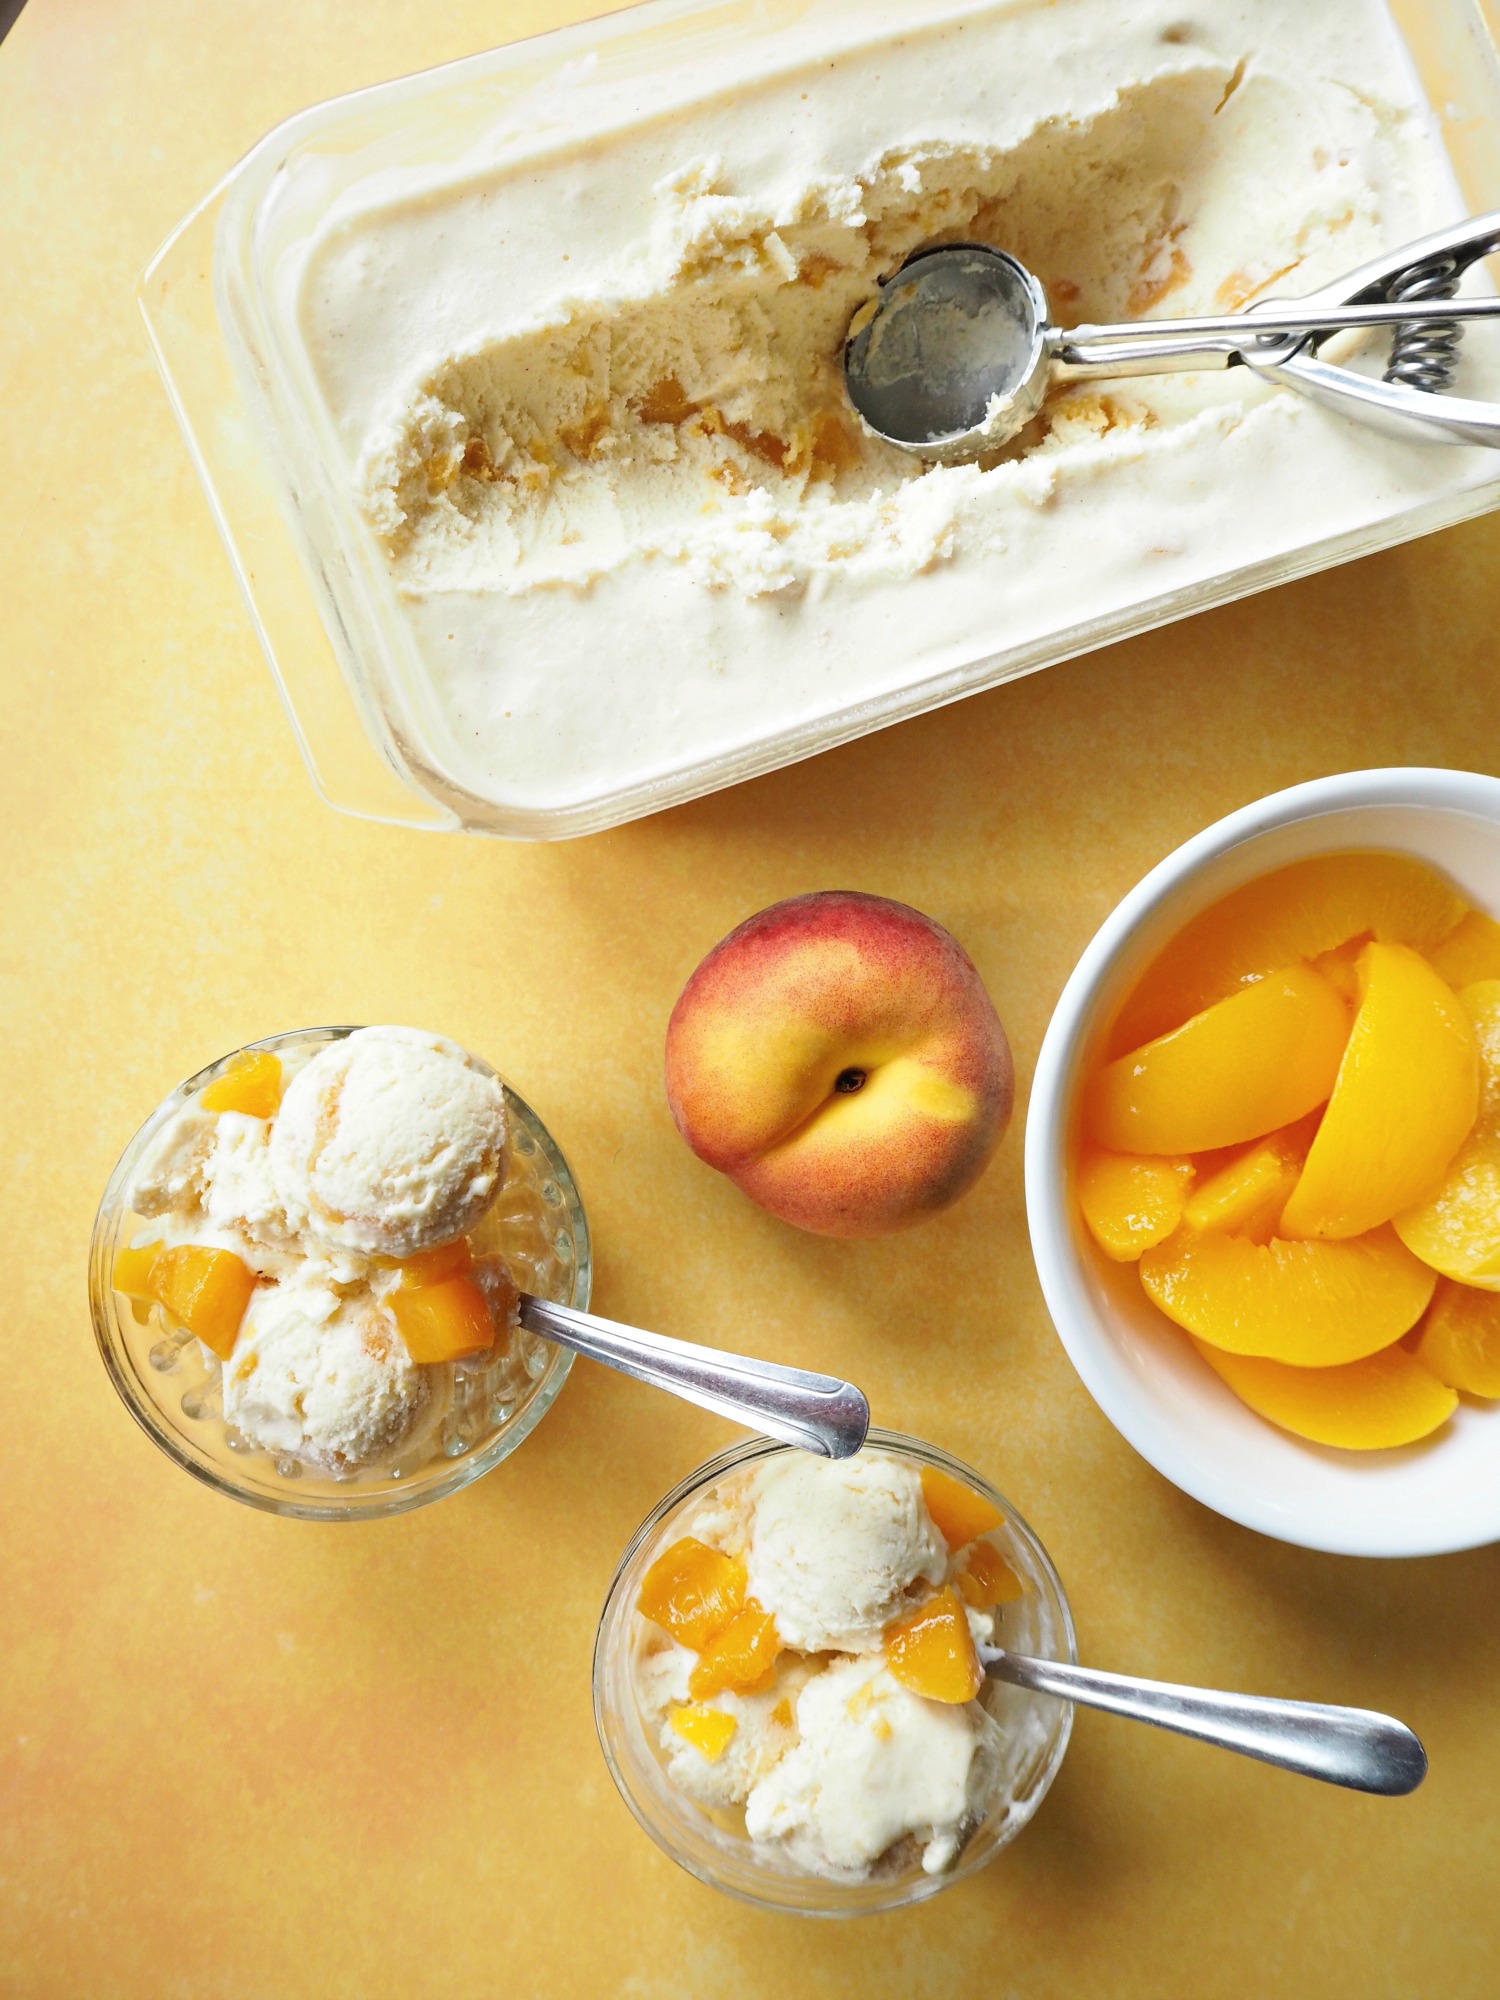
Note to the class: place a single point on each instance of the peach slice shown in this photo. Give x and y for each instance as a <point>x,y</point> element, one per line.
<point>251,1084</point>
<point>1252,1062</point>
<point>1385,1399</point>
<point>741,1657</point>
<point>1406,1096</point>
<point>1313,1305</point>
<point>1481,1002</point>
<point>692,1591</point>
<point>1469,953</point>
<point>987,1579</point>
<point>931,1651</point>
<point>1457,1230</point>
<point>1247,1194</point>
<point>208,1290</point>
<point>443,1322</point>
<point>958,1512</point>
<point>709,1730</point>
<point>1460,1339</point>
<point>1294,913</point>
<point>1131,1201</point>
<point>132,1271</point>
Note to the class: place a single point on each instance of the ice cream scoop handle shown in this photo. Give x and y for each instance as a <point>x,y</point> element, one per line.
<point>1342,1746</point>
<point>818,1412</point>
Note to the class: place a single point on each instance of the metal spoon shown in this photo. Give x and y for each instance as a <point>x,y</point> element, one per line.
<point>1354,1747</point>
<point>956,355</point>
<point>817,1412</point>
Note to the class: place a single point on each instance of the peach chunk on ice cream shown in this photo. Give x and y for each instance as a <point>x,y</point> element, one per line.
<point>838,1057</point>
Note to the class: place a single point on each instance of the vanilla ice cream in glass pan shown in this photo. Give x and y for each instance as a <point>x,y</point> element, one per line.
<point>517,385</point>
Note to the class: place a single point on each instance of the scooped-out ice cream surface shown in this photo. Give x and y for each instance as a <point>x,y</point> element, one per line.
<point>389,1142</point>
<point>587,394</point>
<point>770,1670</point>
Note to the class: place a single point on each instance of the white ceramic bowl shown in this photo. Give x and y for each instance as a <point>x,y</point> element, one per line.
<point>1140,1369</point>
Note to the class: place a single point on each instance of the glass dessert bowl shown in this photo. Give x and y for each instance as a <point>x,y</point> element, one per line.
<point>305,1293</point>
<point>786,1687</point>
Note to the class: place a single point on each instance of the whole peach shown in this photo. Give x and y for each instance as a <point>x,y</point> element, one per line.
<point>838,1058</point>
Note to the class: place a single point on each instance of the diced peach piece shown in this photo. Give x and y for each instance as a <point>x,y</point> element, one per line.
<point>987,1579</point>
<point>251,1084</point>
<point>692,1591</point>
<point>1130,1200</point>
<point>1406,1097</point>
<point>958,1512</point>
<point>709,1730</point>
<point>1313,1305</point>
<point>665,402</point>
<point>430,1267</point>
<point>1247,1194</point>
<point>1236,1071</point>
<point>132,1271</point>
<point>1457,1229</point>
<point>931,1651</point>
<point>208,1290</point>
<point>741,1657</point>
<point>445,1321</point>
<point>1294,913</point>
<point>1384,1399</point>
<point>1470,952</point>
<point>1460,1339</point>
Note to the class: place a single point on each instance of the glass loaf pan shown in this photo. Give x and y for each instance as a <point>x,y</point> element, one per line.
<point>311,571</point>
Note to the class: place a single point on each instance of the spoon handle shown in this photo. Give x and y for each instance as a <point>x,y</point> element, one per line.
<point>818,1412</point>
<point>1342,1746</point>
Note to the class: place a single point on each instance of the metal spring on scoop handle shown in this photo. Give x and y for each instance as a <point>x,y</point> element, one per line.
<point>1424,354</point>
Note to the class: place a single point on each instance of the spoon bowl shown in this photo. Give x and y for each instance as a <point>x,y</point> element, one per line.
<point>952,358</point>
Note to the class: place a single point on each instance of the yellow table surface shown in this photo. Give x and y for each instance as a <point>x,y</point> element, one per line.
<point>242,1756</point>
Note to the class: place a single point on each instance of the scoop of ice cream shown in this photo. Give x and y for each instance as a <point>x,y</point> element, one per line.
<point>834,1548</point>
<point>323,1379</point>
<point>389,1142</point>
<point>239,1188</point>
<point>875,1763</point>
<point>170,1178</point>
<point>765,1726</point>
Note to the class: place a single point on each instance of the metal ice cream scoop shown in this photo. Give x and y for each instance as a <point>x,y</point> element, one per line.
<point>956,354</point>
<point>1354,1747</point>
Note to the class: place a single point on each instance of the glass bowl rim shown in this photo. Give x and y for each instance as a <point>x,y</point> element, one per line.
<point>375,1506</point>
